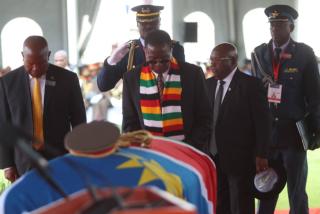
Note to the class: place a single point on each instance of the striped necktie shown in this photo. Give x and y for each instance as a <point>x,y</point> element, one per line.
<point>37,115</point>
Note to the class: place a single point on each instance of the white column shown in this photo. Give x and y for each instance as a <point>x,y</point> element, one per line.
<point>231,15</point>
<point>72,26</point>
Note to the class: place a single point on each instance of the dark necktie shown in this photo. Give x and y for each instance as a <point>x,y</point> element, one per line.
<point>277,52</point>
<point>160,85</point>
<point>216,108</point>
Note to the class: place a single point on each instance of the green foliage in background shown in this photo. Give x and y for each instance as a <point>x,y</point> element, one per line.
<point>3,182</point>
<point>313,183</point>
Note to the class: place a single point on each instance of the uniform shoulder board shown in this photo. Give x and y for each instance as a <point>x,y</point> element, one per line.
<point>262,46</point>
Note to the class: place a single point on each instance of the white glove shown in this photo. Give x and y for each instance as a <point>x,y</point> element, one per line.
<point>118,54</point>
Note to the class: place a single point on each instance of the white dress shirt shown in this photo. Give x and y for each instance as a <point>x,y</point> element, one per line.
<point>227,81</point>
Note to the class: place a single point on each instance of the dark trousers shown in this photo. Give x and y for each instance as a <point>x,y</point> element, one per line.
<point>295,163</point>
<point>234,192</point>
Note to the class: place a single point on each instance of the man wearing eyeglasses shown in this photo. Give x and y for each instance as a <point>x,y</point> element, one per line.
<point>241,130</point>
<point>131,54</point>
<point>166,97</point>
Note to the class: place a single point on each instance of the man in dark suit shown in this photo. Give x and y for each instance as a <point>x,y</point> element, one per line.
<point>241,130</point>
<point>165,97</point>
<point>43,100</point>
<point>148,19</point>
<point>290,69</point>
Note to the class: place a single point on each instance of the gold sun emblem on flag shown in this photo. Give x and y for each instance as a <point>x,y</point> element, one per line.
<point>153,171</point>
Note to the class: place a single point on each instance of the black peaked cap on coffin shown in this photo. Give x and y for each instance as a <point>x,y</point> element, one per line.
<point>261,188</point>
<point>92,137</point>
<point>147,12</point>
<point>281,13</point>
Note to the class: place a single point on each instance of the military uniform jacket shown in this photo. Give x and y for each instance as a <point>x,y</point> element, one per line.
<point>299,77</point>
<point>111,74</point>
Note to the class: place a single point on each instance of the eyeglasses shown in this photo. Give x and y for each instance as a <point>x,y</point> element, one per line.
<point>162,61</point>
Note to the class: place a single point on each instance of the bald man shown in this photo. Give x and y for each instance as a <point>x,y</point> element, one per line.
<point>43,100</point>
<point>241,132</point>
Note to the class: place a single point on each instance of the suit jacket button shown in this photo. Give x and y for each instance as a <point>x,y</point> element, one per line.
<point>276,119</point>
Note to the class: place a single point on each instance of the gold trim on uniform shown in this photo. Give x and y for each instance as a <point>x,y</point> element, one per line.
<point>133,45</point>
<point>148,20</point>
<point>148,14</point>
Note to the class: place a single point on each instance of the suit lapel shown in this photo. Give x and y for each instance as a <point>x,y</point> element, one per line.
<point>28,100</point>
<point>288,54</point>
<point>136,91</point>
<point>229,94</point>
<point>212,86</point>
<point>267,57</point>
<point>49,88</point>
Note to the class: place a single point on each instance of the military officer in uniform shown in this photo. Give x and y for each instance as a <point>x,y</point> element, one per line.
<point>131,54</point>
<point>290,75</point>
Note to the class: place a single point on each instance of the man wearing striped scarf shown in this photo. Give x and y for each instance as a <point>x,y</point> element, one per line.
<point>167,98</point>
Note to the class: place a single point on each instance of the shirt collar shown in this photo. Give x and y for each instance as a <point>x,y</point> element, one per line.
<point>282,46</point>
<point>43,77</point>
<point>164,74</point>
<point>230,76</point>
<point>142,41</point>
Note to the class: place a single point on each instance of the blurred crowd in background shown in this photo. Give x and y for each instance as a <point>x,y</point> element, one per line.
<point>105,105</point>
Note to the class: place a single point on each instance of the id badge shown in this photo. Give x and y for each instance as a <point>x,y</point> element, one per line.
<point>274,93</point>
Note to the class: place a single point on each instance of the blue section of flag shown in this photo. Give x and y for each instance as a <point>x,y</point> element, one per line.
<point>191,183</point>
<point>72,174</point>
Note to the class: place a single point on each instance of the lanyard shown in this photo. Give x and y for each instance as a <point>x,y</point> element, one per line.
<point>276,67</point>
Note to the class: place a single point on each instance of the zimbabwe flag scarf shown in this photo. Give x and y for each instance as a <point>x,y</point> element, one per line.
<point>165,120</point>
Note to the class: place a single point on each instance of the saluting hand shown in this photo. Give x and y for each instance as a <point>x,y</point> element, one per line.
<point>118,54</point>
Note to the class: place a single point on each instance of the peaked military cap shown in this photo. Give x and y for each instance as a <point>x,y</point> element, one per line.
<point>95,138</point>
<point>281,13</point>
<point>147,12</point>
<point>270,183</point>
